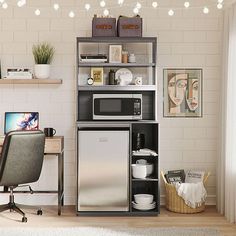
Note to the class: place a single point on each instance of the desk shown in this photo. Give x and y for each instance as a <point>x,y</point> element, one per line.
<point>53,146</point>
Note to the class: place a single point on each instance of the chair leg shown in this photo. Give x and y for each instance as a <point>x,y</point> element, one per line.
<point>17,209</point>
<point>5,207</point>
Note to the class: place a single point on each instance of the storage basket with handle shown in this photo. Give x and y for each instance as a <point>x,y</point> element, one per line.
<point>176,203</point>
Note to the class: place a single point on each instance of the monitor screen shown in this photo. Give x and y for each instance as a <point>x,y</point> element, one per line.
<point>21,121</point>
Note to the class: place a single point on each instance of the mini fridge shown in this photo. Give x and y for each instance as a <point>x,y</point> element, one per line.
<point>103,170</point>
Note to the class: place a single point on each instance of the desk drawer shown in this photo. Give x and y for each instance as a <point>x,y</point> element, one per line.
<point>53,145</point>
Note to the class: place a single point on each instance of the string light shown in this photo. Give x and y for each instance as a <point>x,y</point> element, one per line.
<point>120,2</point>
<point>71,14</point>
<point>186,4</point>
<point>136,10</point>
<point>37,12</point>
<point>155,4</point>
<point>102,3</point>
<point>171,12</point>
<point>138,5</point>
<point>87,6</point>
<point>205,10</point>
<point>106,12</point>
<point>56,6</point>
<point>21,3</point>
<point>4,5</point>
<point>219,6</point>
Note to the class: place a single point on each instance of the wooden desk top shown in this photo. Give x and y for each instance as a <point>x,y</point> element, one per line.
<point>53,145</point>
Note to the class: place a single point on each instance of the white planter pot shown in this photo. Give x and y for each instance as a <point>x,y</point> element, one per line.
<point>42,71</point>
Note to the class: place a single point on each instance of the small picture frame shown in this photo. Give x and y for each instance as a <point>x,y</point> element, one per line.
<point>97,75</point>
<point>115,53</point>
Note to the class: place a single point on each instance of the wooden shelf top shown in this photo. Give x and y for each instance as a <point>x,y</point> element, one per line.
<point>30,81</point>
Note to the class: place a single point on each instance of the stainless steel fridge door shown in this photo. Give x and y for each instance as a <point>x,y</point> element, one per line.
<point>103,173</point>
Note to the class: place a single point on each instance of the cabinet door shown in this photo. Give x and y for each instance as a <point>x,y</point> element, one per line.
<point>103,176</point>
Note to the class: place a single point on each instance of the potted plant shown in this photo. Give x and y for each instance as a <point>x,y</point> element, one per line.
<point>43,54</point>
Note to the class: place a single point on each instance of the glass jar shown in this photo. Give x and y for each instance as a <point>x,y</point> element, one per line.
<point>124,57</point>
<point>132,58</point>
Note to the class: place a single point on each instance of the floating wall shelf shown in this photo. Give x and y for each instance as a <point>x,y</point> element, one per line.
<point>30,81</point>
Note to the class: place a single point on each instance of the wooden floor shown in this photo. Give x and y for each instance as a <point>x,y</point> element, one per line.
<point>210,218</point>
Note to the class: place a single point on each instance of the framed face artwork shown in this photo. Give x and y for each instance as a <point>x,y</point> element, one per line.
<point>182,92</point>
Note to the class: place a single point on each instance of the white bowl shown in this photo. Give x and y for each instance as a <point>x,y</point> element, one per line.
<point>143,199</point>
<point>149,169</point>
<point>139,171</point>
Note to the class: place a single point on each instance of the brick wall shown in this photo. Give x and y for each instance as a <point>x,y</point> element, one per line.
<point>188,39</point>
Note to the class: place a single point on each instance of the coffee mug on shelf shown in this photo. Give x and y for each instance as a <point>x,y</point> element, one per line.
<point>49,132</point>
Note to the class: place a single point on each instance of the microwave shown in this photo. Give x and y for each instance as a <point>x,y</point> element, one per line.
<point>117,106</point>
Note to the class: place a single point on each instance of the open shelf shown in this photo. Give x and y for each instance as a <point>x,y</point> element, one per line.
<point>30,81</point>
<point>88,64</point>
<point>146,179</point>
<point>117,88</point>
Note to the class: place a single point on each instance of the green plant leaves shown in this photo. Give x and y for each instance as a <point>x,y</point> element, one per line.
<point>43,53</point>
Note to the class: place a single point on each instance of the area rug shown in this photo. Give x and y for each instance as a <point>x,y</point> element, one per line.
<point>94,231</point>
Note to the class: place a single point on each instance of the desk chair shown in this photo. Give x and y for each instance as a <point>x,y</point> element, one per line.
<point>21,162</point>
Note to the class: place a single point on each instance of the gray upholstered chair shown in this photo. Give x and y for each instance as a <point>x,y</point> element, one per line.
<point>21,162</point>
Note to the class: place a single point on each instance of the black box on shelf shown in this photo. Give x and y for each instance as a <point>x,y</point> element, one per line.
<point>104,27</point>
<point>130,26</point>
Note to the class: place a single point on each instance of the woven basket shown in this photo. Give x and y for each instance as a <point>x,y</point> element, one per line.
<point>176,203</point>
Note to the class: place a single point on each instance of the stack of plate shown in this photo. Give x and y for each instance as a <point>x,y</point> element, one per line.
<point>143,202</point>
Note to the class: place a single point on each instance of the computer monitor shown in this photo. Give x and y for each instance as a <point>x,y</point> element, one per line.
<point>21,121</point>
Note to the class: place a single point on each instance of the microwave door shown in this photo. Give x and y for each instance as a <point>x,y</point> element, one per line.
<point>113,108</point>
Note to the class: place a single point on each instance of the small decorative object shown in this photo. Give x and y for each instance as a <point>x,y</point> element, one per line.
<point>112,77</point>
<point>138,80</point>
<point>19,73</point>
<point>124,57</point>
<point>43,55</point>
<point>182,92</point>
<point>115,53</point>
<point>90,81</point>
<point>97,75</point>
<point>124,76</point>
<point>129,26</point>
<point>132,58</point>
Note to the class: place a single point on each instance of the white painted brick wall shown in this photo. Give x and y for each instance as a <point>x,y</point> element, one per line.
<point>188,39</point>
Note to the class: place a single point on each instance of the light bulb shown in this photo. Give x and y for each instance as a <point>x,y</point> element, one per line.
<point>219,6</point>
<point>171,12</point>
<point>186,4</point>
<point>155,4</point>
<point>138,5</point>
<point>19,4</point>
<point>37,12</point>
<point>4,5</point>
<point>2,1</point>
<point>87,6</point>
<point>120,2</point>
<point>102,3</point>
<point>71,14</point>
<point>136,10</point>
<point>220,1</point>
<point>106,12</point>
<point>205,10</point>
<point>56,6</point>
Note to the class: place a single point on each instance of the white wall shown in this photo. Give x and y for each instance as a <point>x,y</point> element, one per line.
<point>189,39</point>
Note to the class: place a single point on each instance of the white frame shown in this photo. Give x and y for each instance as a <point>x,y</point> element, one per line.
<point>115,49</point>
